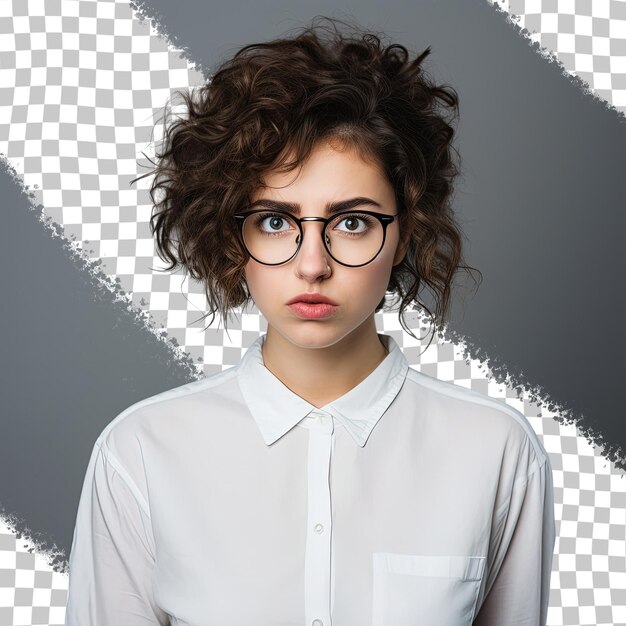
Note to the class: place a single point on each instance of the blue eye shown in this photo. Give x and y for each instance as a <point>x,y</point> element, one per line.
<point>271,223</point>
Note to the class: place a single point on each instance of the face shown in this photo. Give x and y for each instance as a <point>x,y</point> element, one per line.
<point>329,175</point>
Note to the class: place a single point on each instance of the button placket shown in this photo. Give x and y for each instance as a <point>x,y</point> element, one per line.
<point>319,524</point>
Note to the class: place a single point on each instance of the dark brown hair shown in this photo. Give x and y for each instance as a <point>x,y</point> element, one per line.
<point>282,97</point>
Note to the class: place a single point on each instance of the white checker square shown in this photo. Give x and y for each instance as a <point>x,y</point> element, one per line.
<point>601,531</point>
<point>583,24</point>
<point>127,230</point>
<point>71,41</point>
<point>42,596</point>
<point>122,28</point>
<point>550,23</point>
<point>108,248</point>
<point>54,24</point>
<point>213,354</point>
<point>105,10</point>
<point>177,319</point>
<point>70,8</point>
<point>618,64</point>
<point>38,41</point>
<point>72,215</point>
<point>197,338</point>
<point>57,616</point>
<point>21,23</point>
<point>584,62</point>
<point>619,98</point>
<point>145,247</point>
<point>602,8</point>
<point>159,301</point>
<point>143,283</point>
<point>616,517</point>
<point>126,265</point>
<point>617,29</point>
<point>24,578</point>
<point>599,562</point>
<point>88,25</point>
<point>567,42</point>
<point>602,81</point>
<point>7,595</point>
<point>569,597</point>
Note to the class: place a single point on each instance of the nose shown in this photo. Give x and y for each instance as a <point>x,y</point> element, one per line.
<point>312,260</point>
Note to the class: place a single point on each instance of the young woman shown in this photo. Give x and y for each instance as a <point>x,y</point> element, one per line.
<point>322,480</point>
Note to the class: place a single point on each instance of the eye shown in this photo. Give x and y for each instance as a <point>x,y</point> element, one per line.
<point>356,224</point>
<point>271,223</point>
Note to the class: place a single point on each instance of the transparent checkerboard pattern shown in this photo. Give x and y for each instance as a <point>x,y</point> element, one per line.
<point>82,84</point>
<point>587,38</point>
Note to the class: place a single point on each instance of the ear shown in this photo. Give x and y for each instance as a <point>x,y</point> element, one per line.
<point>403,245</point>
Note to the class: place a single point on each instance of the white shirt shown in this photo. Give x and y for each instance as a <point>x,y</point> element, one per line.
<point>232,501</point>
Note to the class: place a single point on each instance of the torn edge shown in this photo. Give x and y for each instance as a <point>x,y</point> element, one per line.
<point>146,13</point>
<point>551,56</point>
<point>90,265</point>
<point>157,22</point>
<point>36,541</point>
<point>496,371</point>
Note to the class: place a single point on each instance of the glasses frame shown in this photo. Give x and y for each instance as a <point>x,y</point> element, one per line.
<point>383,218</point>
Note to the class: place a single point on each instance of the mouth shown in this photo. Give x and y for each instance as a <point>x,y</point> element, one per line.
<point>312,298</point>
<point>313,310</point>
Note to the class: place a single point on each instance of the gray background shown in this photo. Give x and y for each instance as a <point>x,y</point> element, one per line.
<point>540,200</point>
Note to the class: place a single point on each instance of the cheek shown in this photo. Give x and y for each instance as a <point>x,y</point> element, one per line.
<point>372,285</point>
<point>261,282</point>
<point>253,279</point>
<point>381,273</point>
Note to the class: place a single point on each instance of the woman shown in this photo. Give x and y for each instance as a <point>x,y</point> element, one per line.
<point>321,480</point>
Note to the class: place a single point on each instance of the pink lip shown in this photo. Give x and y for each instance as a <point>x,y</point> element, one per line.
<point>313,311</point>
<point>312,298</point>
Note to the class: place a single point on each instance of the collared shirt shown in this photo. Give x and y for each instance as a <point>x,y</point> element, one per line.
<point>233,501</point>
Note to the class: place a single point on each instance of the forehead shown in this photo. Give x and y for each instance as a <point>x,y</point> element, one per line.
<point>331,171</point>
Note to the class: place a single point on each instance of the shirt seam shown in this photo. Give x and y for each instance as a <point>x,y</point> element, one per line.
<point>521,482</point>
<point>171,394</point>
<point>463,393</point>
<point>537,465</point>
<point>126,478</point>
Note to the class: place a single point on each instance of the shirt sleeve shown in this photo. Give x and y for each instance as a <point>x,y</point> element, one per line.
<point>518,582</point>
<point>111,559</point>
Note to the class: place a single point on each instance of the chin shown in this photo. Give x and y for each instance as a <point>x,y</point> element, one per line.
<point>312,333</point>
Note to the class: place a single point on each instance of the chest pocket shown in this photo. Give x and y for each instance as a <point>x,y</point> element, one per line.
<point>425,590</point>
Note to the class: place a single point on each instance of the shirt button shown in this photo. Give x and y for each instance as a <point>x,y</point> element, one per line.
<point>318,622</point>
<point>318,529</point>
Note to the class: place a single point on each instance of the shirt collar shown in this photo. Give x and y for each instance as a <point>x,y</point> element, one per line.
<point>276,409</point>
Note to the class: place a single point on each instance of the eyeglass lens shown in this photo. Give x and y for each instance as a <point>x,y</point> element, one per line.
<point>352,239</point>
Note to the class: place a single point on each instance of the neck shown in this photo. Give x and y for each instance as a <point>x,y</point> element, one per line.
<point>323,374</point>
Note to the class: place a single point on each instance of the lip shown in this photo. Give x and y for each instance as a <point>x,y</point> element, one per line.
<point>312,298</point>
<point>316,311</point>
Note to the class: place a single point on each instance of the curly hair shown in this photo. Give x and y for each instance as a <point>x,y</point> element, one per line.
<point>282,97</point>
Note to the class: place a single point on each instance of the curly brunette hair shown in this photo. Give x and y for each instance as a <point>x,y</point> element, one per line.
<point>282,97</point>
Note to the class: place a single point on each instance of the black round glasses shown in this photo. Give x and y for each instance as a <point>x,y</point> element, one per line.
<point>352,238</point>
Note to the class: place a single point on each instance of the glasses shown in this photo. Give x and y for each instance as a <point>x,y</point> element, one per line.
<point>350,238</point>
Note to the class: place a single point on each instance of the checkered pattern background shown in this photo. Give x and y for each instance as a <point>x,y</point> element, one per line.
<point>587,38</point>
<point>82,83</point>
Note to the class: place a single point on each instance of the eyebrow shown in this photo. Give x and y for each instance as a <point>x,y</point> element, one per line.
<point>330,207</point>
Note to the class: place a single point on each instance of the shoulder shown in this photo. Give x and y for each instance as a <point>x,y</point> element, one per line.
<point>473,418</point>
<point>160,415</point>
